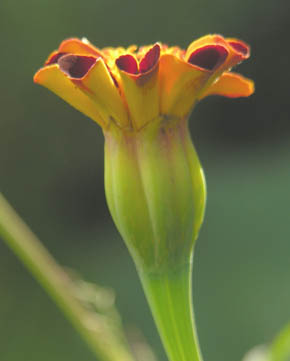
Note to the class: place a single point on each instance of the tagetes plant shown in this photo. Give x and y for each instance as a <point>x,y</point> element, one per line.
<point>154,182</point>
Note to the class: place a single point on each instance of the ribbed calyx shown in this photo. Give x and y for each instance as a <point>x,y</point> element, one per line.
<point>155,190</point>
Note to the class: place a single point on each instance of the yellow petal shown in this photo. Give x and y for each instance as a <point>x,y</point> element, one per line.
<point>99,85</point>
<point>230,85</point>
<point>55,80</point>
<point>141,93</point>
<point>179,85</point>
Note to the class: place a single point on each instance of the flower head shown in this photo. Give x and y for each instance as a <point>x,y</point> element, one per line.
<point>131,87</point>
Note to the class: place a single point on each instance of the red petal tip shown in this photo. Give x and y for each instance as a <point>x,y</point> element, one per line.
<point>240,47</point>
<point>150,59</point>
<point>127,63</point>
<point>208,57</point>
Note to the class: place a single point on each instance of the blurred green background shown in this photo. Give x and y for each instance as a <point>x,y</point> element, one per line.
<point>51,167</point>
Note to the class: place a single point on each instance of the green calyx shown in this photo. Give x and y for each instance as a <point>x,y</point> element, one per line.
<point>155,190</point>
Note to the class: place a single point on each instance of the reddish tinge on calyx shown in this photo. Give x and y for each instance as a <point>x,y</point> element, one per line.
<point>76,66</point>
<point>208,57</point>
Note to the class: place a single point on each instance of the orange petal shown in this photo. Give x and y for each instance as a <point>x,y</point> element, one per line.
<point>96,82</point>
<point>231,85</point>
<point>179,85</point>
<point>77,46</point>
<point>55,80</point>
<point>141,89</point>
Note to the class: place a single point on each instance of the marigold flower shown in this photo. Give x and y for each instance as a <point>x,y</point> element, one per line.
<point>154,182</point>
<point>142,99</point>
<point>130,88</point>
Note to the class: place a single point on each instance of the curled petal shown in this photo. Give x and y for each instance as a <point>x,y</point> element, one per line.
<point>180,84</point>
<point>93,77</point>
<point>239,46</point>
<point>150,59</point>
<point>127,63</point>
<point>79,47</point>
<point>237,50</point>
<point>231,85</point>
<point>55,80</point>
<point>204,41</point>
<point>141,90</point>
<point>76,66</point>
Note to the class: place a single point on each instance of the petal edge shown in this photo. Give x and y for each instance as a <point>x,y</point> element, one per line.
<point>231,85</point>
<point>55,80</point>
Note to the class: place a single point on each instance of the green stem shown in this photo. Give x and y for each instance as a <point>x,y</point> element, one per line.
<point>169,297</point>
<point>51,276</point>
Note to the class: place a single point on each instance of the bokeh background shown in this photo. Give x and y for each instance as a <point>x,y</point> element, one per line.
<point>51,170</point>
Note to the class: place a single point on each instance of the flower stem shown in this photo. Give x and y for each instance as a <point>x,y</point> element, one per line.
<point>105,344</point>
<point>169,296</point>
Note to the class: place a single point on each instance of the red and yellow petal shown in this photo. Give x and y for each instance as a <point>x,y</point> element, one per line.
<point>239,46</point>
<point>55,80</point>
<point>237,49</point>
<point>139,84</point>
<point>208,57</point>
<point>95,80</point>
<point>128,63</point>
<point>206,40</point>
<point>230,85</point>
